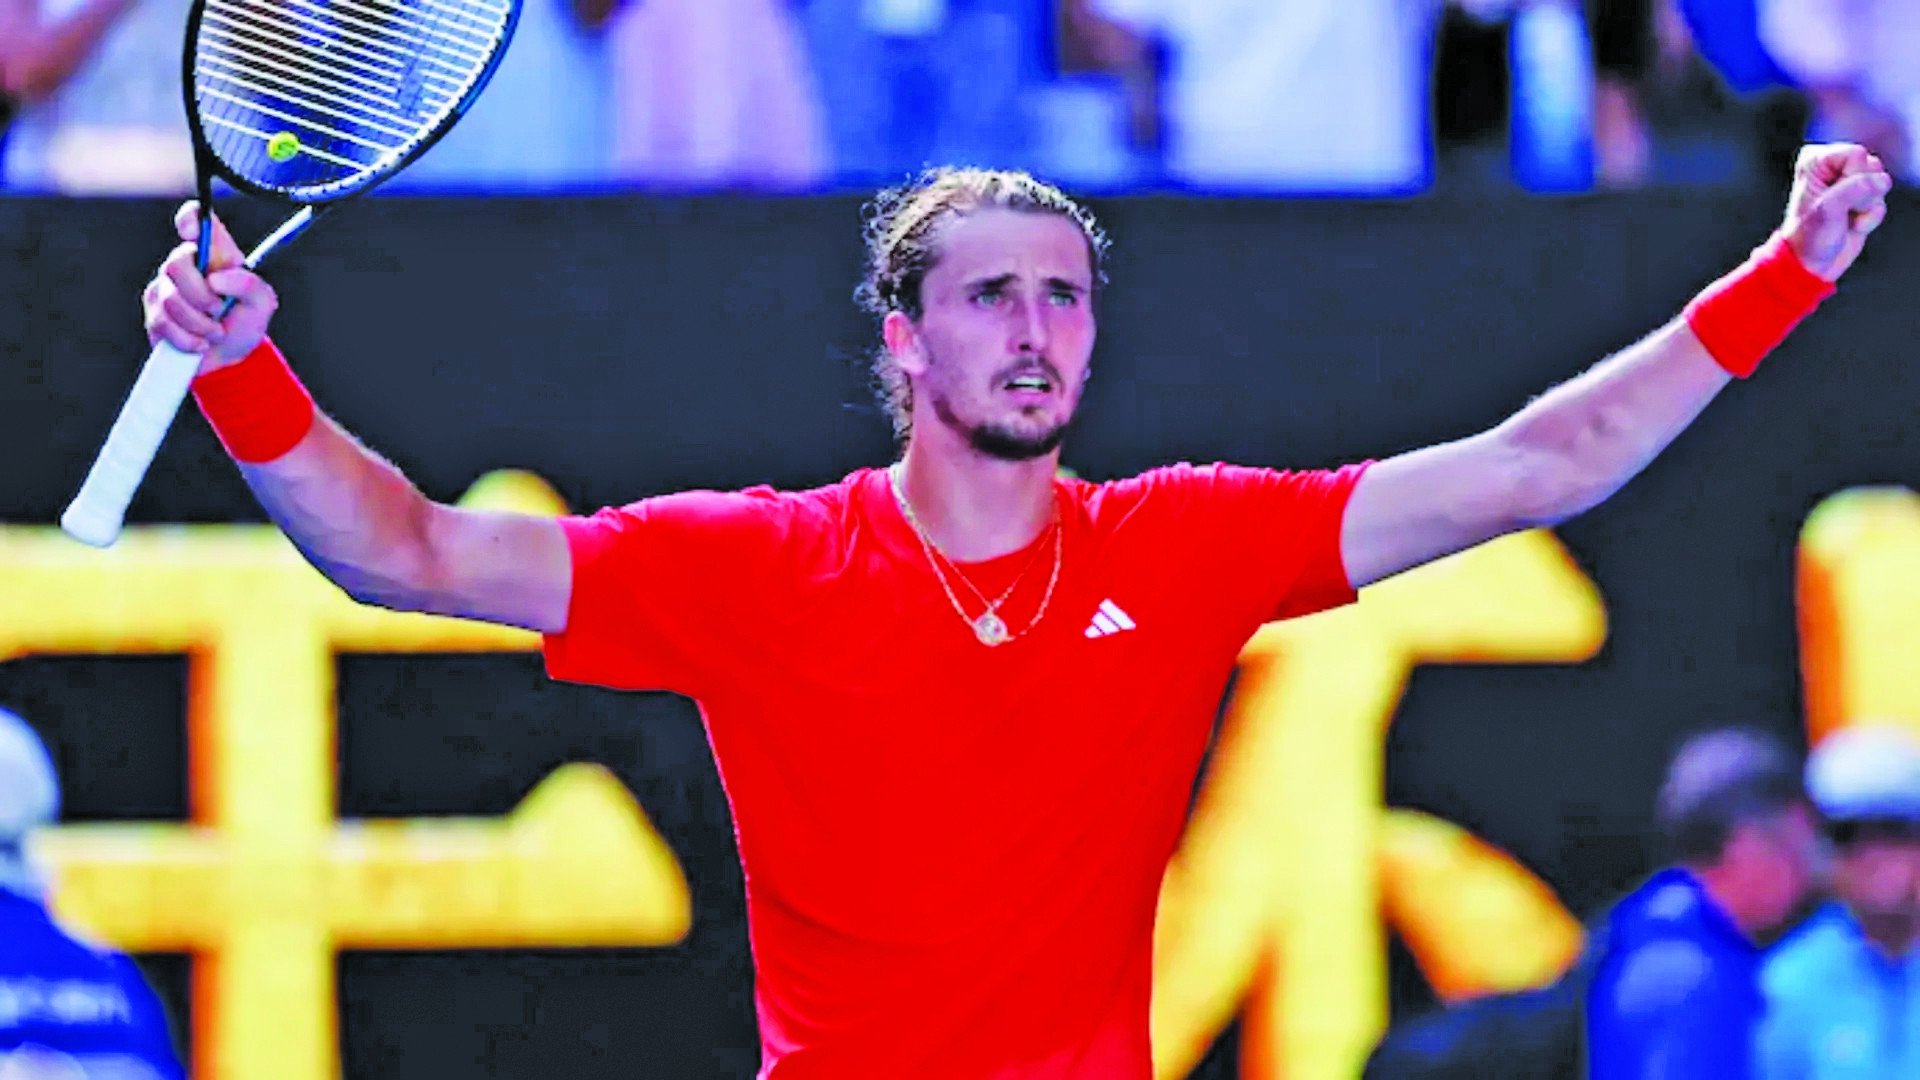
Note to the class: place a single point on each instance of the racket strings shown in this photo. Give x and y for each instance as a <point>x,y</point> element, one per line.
<point>317,97</point>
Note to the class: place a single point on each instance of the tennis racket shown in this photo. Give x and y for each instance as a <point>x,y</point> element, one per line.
<point>307,102</point>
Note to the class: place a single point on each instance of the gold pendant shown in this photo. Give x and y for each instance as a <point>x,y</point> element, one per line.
<point>990,629</point>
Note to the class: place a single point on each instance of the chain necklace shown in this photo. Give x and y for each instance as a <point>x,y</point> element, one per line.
<point>990,628</point>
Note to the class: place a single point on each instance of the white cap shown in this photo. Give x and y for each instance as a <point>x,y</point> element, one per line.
<point>29,790</point>
<point>1870,772</point>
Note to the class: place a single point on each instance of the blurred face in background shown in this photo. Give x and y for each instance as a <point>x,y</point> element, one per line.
<point>1783,862</point>
<point>1877,875</point>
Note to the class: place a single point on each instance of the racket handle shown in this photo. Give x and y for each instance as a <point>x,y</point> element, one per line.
<point>97,512</point>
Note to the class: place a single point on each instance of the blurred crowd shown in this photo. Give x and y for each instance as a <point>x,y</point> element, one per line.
<point>1337,97</point>
<point>1781,942</point>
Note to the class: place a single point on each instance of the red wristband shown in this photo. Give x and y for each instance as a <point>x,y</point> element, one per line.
<point>1747,314</point>
<point>257,406</point>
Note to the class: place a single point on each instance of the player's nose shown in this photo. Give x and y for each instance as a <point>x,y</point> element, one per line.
<point>1030,331</point>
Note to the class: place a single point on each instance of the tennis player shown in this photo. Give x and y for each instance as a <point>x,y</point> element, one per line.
<point>958,704</point>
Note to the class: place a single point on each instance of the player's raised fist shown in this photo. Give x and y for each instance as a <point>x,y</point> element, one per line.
<point>1839,197</point>
<point>183,306</point>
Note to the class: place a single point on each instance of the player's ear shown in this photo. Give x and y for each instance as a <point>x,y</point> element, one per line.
<point>903,342</point>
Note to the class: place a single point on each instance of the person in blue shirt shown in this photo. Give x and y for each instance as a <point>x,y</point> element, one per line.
<point>1675,992</point>
<point>1843,992</point>
<point>69,1008</point>
<point>1667,986</point>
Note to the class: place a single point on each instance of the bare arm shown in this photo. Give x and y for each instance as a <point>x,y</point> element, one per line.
<point>36,57</point>
<point>1582,441</point>
<point>369,530</point>
<point>1562,454</point>
<point>351,513</point>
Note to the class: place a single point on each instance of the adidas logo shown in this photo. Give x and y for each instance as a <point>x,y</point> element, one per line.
<point>1109,620</point>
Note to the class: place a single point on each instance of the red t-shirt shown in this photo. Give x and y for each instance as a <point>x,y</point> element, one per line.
<point>952,852</point>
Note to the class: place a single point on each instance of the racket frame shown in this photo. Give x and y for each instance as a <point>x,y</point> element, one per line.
<point>96,518</point>
<point>210,164</point>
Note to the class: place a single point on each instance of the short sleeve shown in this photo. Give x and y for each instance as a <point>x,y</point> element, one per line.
<point>1275,533</point>
<point>664,590</point>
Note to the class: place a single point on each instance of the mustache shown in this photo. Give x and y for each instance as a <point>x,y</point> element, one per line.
<point>1038,365</point>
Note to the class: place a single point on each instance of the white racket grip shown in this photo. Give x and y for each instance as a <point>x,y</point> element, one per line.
<point>97,512</point>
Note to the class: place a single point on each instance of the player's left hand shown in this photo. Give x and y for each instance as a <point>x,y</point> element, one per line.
<point>1839,197</point>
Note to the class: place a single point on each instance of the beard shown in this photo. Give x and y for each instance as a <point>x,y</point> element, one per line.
<point>1002,441</point>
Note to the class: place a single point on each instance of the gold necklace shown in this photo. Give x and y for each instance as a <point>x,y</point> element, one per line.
<point>990,628</point>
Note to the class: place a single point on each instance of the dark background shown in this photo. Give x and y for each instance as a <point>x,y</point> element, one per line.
<point>625,346</point>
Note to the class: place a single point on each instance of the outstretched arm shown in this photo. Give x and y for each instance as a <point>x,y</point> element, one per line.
<point>351,513</point>
<point>1582,441</point>
<point>367,528</point>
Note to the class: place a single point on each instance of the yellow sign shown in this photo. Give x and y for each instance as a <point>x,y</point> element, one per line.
<point>1279,880</point>
<point>264,882</point>
<point>1859,603</point>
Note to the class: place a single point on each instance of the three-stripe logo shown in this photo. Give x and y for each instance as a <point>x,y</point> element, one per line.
<point>1109,620</point>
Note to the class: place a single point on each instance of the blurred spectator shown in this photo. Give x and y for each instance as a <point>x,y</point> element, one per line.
<point>1554,131</point>
<point>1612,94</point>
<point>1726,35</point>
<point>69,1008</point>
<point>1098,120</point>
<point>1554,122</point>
<point>1843,994</point>
<point>713,94</point>
<point>544,121</point>
<point>1667,986</point>
<point>1676,992</point>
<point>1311,96</point>
<point>1859,61</point>
<point>912,83</point>
<point>98,86</point>
<point>1578,70</point>
<point>1625,51</point>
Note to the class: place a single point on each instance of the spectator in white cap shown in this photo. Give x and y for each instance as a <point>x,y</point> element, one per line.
<point>29,799</point>
<point>1843,994</point>
<point>69,1008</point>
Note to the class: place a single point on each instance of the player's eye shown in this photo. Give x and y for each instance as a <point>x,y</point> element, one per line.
<point>1065,297</point>
<point>989,296</point>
